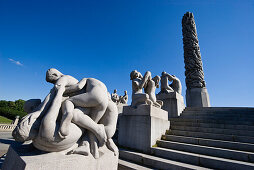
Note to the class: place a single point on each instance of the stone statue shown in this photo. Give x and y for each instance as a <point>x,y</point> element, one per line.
<point>192,57</point>
<point>174,86</point>
<point>152,84</point>
<point>124,98</point>
<point>115,98</point>
<point>88,119</point>
<point>138,83</point>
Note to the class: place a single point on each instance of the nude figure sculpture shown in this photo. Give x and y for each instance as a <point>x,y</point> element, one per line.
<point>87,107</point>
<point>115,98</point>
<point>174,86</point>
<point>138,83</point>
<point>152,84</point>
<point>124,98</point>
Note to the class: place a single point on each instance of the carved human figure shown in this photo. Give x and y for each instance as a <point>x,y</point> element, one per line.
<point>124,98</point>
<point>138,83</point>
<point>165,88</point>
<point>42,126</point>
<point>174,86</point>
<point>152,84</point>
<point>114,96</point>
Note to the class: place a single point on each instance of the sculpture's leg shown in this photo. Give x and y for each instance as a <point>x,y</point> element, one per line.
<point>93,145</point>
<point>140,98</point>
<point>67,109</point>
<point>112,146</point>
<point>48,124</point>
<point>97,99</point>
<point>84,148</point>
<point>86,122</point>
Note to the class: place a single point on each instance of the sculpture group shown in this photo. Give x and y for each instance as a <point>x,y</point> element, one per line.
<point>119,99</point>
<point>149,85</point>
<point>75,117</point>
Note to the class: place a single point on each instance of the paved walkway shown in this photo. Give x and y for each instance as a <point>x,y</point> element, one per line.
<point>6,140</point>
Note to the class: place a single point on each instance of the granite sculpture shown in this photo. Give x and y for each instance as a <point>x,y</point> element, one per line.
<point>76,117</point>
<point>170,94</point>
<point>174,86</point>
<point>124,99</point>
<point>147,83</point>
<point>114,97</point>
<point>196,94</point>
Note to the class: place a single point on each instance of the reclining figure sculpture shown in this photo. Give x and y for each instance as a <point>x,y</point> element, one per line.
<point>75,117</point>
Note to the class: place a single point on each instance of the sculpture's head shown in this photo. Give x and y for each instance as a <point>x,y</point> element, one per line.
<point>115,91</point>
<point>135,74</point>
<point>52,75</point>
<point>125,92</point>
<point>157,80</point>
<point>163,73</point>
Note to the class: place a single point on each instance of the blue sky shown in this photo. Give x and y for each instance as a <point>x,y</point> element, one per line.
<point>108,39</point>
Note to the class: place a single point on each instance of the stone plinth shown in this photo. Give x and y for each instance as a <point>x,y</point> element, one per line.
<point>37,160</point>
<point>140,128</point>
<point>120,107</point>
<point>173,103</point>
<point>197,97</point>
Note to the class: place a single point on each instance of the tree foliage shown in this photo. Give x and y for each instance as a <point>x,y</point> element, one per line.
<point>11,109</point>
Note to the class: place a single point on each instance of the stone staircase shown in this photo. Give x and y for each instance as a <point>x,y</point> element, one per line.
<point>212,138</point>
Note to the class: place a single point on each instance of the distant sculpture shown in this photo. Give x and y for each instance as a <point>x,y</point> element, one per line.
<point>192,57</point>
<point>115,98</point>
<point>85,105</point>
<point>138,83</point>
<point>124,98</point>
<point>174,86</point>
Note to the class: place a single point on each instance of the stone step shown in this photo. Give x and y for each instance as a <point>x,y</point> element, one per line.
<point>210,142</point>
<point>207,150</point>
<point>243,139</point>
<point>201,160</point>
<point>224,109</point>
<point>213,117</point>
<point>217,121</point>
<point>153,161</point>
<point>126,165</point>
<point>213,125</point>
<point>218,114</point>
<point>214,130</point>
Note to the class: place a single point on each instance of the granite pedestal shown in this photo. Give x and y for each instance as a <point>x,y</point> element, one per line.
<point>141,127</point>
<point>33,159</point>
<point>173,103</point>
<point>197,97</point>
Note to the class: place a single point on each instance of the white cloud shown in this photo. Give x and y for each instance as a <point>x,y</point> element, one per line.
<point>16,62</point>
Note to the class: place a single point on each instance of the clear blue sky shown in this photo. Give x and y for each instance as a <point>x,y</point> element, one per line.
<point>108,39</point>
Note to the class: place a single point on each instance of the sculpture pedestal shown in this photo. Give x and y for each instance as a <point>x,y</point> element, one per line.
<point>35,159</point>
<point>140,128</point>
<point>197,97</point>
<point>173,103</point>
<point>120,107</point>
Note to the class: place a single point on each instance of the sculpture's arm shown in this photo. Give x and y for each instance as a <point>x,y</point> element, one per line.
<point>144,80</point>
<point>76,87</point>
<point>42,108</point>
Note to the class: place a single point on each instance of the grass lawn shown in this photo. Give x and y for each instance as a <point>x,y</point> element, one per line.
<point>5,120</point>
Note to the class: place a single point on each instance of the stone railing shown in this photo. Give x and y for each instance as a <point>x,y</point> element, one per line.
<point>9,127</point>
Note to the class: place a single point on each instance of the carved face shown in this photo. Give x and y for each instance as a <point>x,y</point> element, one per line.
<point>135,74</point>
<point>52,75</point>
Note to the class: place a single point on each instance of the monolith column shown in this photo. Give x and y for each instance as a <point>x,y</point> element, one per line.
<point>196,93</point>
